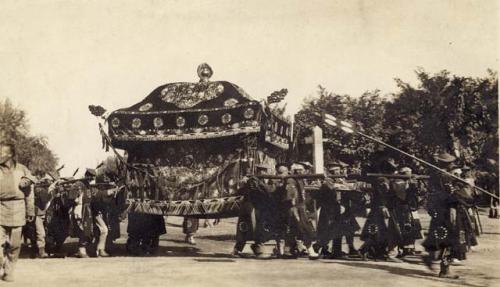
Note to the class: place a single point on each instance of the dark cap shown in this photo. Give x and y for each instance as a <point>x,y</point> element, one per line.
<point>90,172</point>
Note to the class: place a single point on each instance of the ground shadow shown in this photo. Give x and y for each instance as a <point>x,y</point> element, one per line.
<point>219,237</point>
<point>174,224</point>
<point>67,250</point>
<point>399,269</point>
<point>119,250</point>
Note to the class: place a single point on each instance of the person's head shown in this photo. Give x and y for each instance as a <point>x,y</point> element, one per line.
<point>308,167</point>
<point>405,171</point>
<point>39,174</point>
<point>188,160</point>
<point>90,173</point>
<point>337,167</point>
<point>335,170</point>
<point>388,165</point>
<point>282,169</point>
<point>298,168</point>
<point>467,171</point>
<point>456,171</point>
<point>219,158</point>
<point>344,169</point>
<point>445,160</point>
<point>7,152</point>
<point>261,169</point>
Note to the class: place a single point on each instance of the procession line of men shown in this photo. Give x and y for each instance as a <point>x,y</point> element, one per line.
<point>85,209</point>
<point>280,210</point>
<point>274,209</point>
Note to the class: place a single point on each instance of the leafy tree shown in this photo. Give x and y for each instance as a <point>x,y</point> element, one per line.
<point>32,151</point>
<point>12,121</point>
<point>446,112</point>
<point>368,111</point>
<point>442,112</point>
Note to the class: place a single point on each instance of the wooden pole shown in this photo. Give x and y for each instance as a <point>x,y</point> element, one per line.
<point>426,163</point>
<point>318,161</point>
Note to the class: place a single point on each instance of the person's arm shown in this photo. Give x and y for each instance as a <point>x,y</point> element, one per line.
<point>78,208</point>
<point>29,198</point>
<point>291,193</point>
<point>30,205</point>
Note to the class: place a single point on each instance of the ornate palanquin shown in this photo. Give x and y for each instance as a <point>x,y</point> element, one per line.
<point>189,146</point>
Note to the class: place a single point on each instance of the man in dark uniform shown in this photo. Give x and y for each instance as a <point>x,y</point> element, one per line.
<point>278,197</point>
<point>449,228</point>
<point>404,193</point>
<point>57,218</point>
<point>81,216</point>
<point>328,200</point>
<point>307,234</point>
<point>381,233</point>
<point>351,203</point>
<point>105,208</point>
<point>288,193</point>
<point>256,216</point>
<point>463,196</point>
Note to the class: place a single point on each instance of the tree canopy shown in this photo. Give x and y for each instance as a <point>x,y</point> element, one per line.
<point>443,112</point>
<point>32,150</point>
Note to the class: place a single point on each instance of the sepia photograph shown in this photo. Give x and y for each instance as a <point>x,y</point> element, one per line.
<point>249,143</point>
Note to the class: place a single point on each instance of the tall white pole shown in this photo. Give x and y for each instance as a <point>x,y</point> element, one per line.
<point>318,161</point>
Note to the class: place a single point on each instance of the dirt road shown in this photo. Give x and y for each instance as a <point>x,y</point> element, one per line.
<point>209,264</point>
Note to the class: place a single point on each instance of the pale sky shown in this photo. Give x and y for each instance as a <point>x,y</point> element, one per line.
<point>58,57</point>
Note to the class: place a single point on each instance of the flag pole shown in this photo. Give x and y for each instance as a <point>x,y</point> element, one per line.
<point>347,127</point>
<point>425,162</point>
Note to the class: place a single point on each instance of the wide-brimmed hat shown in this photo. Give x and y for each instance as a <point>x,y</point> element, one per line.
<point>281,164</point>
<point>306,164</point>
<point>282,167</point>
<point>405,170</point>
<point>333,168</point>
<point>445,157</point>
<point>337,163</point>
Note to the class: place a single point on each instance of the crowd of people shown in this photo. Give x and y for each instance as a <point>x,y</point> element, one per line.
<point>303,214</point>
<point>278,209</point>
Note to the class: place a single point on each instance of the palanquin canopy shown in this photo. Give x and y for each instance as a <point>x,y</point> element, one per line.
<point>196,110</point>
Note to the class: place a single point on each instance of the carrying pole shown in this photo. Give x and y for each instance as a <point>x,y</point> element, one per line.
<point>426,163</point>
